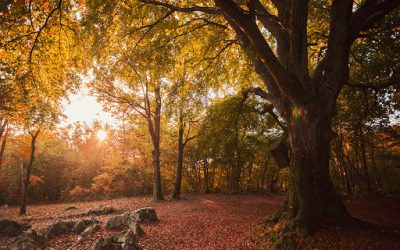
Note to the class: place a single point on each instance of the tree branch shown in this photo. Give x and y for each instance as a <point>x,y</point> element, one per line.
<point>335,65</point>
<point>43,27</point>
<point>257,91</point>
<point>298,52</point>
<point>284,81</point>
<point>260,68</point>
<point>271,22</point>
<point>367,14</point>
<point>150,27</point>
<point>172,7</point>
<point>372,86</point>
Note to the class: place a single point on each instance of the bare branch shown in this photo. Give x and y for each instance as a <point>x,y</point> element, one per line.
<point>150,27</point>
<point>222,50</point>
<point>257,91</point>
<point>120,98</point>
<point>194,8</point>
<point>372,86</point>
<point>43,27</point>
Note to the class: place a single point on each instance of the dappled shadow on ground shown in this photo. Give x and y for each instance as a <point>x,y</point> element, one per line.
<point>218,221</point>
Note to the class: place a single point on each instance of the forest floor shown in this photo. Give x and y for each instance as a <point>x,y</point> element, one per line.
<point>217,221</point>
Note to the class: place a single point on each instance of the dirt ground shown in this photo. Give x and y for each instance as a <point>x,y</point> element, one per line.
<point>217,221</point>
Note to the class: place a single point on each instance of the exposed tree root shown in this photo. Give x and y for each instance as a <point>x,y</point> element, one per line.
<point>287,226</point>
<point>283,233</point>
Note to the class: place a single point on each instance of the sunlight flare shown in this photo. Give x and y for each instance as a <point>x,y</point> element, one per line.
<point>101,135</point>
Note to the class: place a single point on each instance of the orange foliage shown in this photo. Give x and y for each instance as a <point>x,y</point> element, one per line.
<point>79,192</point>
<point>35,180</point>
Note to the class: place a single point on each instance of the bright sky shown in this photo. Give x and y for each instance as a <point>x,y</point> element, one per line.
<point>84,107</point>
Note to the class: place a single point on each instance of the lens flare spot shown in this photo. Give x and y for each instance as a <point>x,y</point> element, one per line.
<point>298,112</point>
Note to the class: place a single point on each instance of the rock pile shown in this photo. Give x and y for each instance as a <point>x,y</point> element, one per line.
<point>29,239</point>
<point>101,210</point>
<point>125,240</point>
<point>144,214</point>
<point>11,228</point>
<point>88,231</point>
<point>62,227</point>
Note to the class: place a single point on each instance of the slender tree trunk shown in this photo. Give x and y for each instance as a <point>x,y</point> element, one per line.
<point>348,170</point>
<point>25,183</point>
<point>211,178</point>
<point>157,191</point>
<point>264,170</point>
<point>237,165</point>
<point>357,164</point>
<point>364,162</point>
<point>3,126</point>
<point>219,180</point>
<point>155,132</point>
<point>3,147</point>
<point>236,173</point>
<point>274,179</point>
<point>345,166</point>
<point>249,183</point>
<point>178,177</point>
<point>373,163</point>
<point>206,177</point>
<point>345,178</point>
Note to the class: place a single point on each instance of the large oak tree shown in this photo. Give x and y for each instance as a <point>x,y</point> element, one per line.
<point>275,36</point>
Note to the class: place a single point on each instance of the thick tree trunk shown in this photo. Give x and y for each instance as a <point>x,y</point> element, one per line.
<point>312,197</point>
<point>178,177</point>
<point>25,181</point>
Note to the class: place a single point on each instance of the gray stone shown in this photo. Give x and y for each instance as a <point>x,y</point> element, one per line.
<point>125,240</point>
<point>100,210</point>
<point>119,221</point>
<point>124,220</point>
<point>89,231</point>
<point>130,219</point>
<point>29,239</point>
<point>71,208</point>
<point>144,214</point>
<point>11,228</point>
<point>59,227</point>
<point>81,225</point>
<point>136,229</point>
